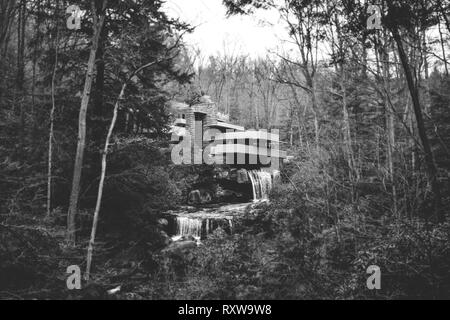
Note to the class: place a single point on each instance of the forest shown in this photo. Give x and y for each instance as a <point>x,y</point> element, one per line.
<point>359,91</point>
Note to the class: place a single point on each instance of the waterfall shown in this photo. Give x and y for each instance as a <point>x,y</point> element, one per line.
<point>207,226</point>
<point>201,225</point>
<point>189,227</point>
<point>261,184</point>
<point>230,224</point>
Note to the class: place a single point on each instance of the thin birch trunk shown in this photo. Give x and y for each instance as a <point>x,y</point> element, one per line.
<point>73,206</point>
<point>103,172</point>
<point>101,184</point>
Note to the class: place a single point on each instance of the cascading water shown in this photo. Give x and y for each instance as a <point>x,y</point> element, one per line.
<point>261,184</point>
<point>200,225</point>
<point>189,227</point>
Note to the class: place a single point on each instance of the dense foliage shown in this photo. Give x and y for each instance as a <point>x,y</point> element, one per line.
<point>359,189</point>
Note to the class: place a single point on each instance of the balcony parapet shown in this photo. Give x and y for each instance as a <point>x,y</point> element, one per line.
<point>180,122</point>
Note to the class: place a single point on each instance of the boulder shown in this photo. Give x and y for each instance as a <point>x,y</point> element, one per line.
<point>163,222</point>
<point>228,195</point>
<point>242,176</point>
<point>200,196</point>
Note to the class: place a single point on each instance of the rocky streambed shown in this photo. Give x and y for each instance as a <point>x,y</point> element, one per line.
<point>187,226</point>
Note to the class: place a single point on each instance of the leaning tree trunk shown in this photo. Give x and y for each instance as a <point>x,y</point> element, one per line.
<point>101,184</point>
<point>73,206</point>
<point>103,172</point>
<point>429,157</point>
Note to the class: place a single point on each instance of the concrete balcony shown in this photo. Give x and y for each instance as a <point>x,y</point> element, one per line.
<point>180,122</point>
<point>223,126</point>
<point>224,149</point>
<point>248,135</point>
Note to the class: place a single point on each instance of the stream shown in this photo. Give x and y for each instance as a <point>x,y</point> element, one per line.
<point>191,223</point>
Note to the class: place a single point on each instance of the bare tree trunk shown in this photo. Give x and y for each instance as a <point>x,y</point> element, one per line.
<point>103,172</point>
<point>424,60</point>
<point>98,91</point>
<point>291,125</point>
<point>101,184</point>
<point>412,142</point>
<point>21,45</point>
<point>426,65</point>
<point>51,135</point>
<point>300,130</point>
<point>314,106</point>
<point>390,126</point>
<point>390,121</point>
<point>297,112</point>
<point>429,157</point>
<point>257,116</point>
<point>347,134</point>
<point>339,51</point>
<point>378,153</point>
<point>20,76</point>
<point>73,206</point>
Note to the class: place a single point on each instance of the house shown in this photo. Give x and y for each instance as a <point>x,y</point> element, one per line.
<point>229,142</point>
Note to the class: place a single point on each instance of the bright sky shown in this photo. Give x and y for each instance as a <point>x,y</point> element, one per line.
<point>216,34</point>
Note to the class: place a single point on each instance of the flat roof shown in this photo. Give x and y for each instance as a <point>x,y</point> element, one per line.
<point>225,125</point>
